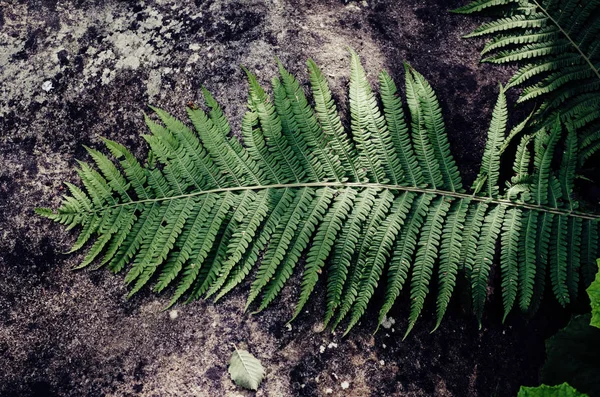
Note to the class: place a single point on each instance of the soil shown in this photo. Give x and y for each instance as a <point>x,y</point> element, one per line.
<point>73,71</point>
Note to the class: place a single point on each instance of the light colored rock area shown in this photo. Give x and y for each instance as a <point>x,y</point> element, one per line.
<point>73,71</point>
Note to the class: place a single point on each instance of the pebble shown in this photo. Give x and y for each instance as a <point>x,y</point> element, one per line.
<point>173,314</point>
<point>345,385</point>
<point>47,86</point>
<point>387,322</point>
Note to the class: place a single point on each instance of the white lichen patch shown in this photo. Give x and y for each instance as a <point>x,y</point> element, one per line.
<point>387,322</point>
<point>120,41</point>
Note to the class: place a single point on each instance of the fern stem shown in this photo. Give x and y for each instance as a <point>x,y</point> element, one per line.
<point>555,22</point>
<point>488,200</point>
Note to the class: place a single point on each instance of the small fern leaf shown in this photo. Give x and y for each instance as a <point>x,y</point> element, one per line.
<point>423,148</point>
<point>574,230</point>
<point>322,243</point>
<point>450,247</point>
<point>472,231</point>
<point>394,115</point>
<point>379,210</point>
<point>589,248</point>
<point>379,252</point>
<point>403,251</point>
<point>281,239</point>
<point>542,252</point>
<point>429,241</point>
<point>486,247</point>
<point>558,260</point>
<point>314,215</point>
<point>308,127</point>
<point>480,5</point>
<point>527,258</point>
<point>434,124</point>
<point>368,126</point>
<point>329,119</point>
<point>490,164</point>
<point>511,231</point>
<point>344,250</point>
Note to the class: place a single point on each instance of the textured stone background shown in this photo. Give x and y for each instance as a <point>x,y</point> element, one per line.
<point>74,334</point>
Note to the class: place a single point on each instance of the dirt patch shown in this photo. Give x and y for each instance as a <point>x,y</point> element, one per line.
<point>74,71</point>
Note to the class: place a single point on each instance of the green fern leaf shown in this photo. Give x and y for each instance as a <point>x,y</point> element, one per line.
<point>555,45</point>
<point>207,212</point>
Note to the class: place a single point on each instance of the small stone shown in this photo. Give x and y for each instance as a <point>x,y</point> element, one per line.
<point>332,345</point>
<point>382,363</point>
<point>384,345</point>
<point>387,322</point>
<point>329,391</point>
<point>345,385</point>
<point>173,314</point>
<point>47,85</point>
<point>322,349</point>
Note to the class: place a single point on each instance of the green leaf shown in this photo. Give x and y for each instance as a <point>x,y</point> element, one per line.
<point>594,294</point>
<point>245,370</point>
<point>572,356</point>
<point>563,390</point>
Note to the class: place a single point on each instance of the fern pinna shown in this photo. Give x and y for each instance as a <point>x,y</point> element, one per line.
<point>556,44</point>
<point>384,200</point>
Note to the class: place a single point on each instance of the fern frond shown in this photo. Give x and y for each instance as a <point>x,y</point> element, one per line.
<point>207,211</point>
<point>480,5</point>
<point>555,46</point>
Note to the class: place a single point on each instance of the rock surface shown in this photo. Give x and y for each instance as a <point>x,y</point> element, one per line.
<point>73,71</point>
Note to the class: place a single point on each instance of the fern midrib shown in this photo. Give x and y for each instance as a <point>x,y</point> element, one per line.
<point>415,189</point>
<point>555,22</point>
